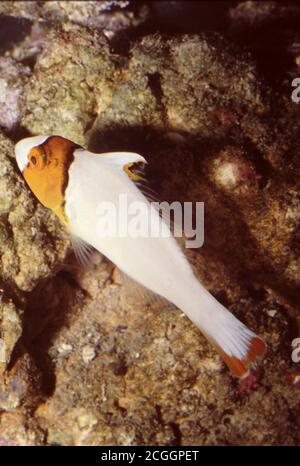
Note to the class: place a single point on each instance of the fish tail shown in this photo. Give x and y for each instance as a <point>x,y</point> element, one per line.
<point>240,348</point>
<point>240,365</point>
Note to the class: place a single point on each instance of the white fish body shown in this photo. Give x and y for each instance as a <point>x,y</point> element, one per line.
<point>157,263</point>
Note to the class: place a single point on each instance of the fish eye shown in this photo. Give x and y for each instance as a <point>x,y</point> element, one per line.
<point>37,158</point>
<point>33,160</point>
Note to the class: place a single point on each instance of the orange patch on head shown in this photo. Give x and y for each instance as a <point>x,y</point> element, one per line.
<point>47,172</point>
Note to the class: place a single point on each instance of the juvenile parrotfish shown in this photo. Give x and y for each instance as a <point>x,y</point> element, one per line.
<point>71,181</point>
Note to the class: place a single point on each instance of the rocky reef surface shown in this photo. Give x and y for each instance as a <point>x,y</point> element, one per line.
<point>84,359</point>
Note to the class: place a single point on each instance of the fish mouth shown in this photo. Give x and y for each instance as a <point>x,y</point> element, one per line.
<point>23,147</point>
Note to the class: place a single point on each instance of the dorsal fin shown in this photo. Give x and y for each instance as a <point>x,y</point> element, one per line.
<point>122,159</point>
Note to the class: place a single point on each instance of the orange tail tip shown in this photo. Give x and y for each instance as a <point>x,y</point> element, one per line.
<point>241,367</point>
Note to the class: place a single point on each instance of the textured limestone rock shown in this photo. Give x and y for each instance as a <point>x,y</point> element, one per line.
<point>97,361</point>
<point>60,98</point>
<point>111,15</point>
<point>184,85</point>
<point>260,14</point>
<point>13,77</point>
<point>32,246</point>
<point>10,331</point>
<point>32,241</point>
<point>154,379</point>
<point>15,431</point>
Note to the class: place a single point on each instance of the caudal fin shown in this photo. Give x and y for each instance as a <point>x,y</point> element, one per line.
<point>241,364</point>
<point>240,348</point>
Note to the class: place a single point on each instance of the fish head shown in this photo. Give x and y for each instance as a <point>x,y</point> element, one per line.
<point>44,162</point>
